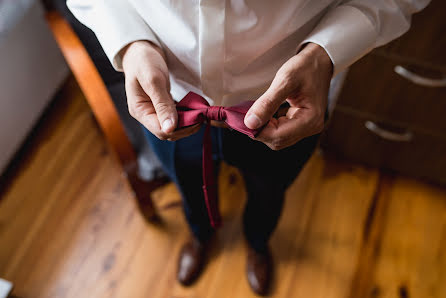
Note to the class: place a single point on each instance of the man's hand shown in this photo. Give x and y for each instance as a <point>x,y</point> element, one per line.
<point>303,81</point>
<point>147,87</point>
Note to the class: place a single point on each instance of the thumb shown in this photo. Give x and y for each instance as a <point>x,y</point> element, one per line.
<point>164,105</point>
<point>264,108</point>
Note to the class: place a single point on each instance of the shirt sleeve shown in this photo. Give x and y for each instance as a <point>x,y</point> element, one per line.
<point>351,29</point>
<point>116,23</point>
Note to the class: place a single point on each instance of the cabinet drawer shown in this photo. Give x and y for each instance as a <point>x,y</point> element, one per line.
<point>380,145</point>
<point>425,41</point>
<point>374,87</point>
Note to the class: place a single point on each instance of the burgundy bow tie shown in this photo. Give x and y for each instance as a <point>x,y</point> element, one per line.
<point>193,109</point>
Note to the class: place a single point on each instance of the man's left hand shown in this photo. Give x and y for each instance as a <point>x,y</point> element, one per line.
<point>303,81</point>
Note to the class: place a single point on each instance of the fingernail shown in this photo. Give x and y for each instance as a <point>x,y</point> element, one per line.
<point>252,121</point>
<point>167,125</point>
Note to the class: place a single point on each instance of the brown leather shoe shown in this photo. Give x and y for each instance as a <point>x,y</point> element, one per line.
<point>191,261</point>
<point>259,268</point>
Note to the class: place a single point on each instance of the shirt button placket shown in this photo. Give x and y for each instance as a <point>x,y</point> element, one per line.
<point>212,48</point>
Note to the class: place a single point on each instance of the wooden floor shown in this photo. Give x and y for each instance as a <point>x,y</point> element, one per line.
<point>70,228</point>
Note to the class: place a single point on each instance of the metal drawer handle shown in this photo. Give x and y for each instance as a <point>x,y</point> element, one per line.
<point>388,135</point>
<point>419,80</point>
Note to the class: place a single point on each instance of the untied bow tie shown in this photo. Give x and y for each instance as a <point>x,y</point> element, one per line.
<point>194,109</point>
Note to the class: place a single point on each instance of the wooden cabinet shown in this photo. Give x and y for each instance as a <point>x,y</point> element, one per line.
<point>374,87</point>
<point>425,43</point>
<point>391,112</point>
<point>375,143</point>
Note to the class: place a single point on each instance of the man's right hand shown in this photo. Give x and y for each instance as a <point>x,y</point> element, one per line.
<point>148,91</point>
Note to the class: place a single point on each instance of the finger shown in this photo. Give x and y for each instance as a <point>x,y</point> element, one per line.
<point>279,137</point>
<point>141,108</point>
<point>267,105</point>
<point>285,131</point>
<point>156,88</point>
<point>152,124</point>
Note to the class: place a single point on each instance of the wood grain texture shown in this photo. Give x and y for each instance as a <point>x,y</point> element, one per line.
<point>373,91</point>
<point>411,259</point>
<point>92,86</point>
<point>372,87</point>
<point>422,157</point>
<point>424,43</point>
<point>69,227</point>
<point>404,255</point>
<point>104,110</point>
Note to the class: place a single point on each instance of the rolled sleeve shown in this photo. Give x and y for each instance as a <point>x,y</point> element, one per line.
<point>115,23</point>
<point>346,34</point>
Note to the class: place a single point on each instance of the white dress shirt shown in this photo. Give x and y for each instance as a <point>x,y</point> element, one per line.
<point>230,50</point>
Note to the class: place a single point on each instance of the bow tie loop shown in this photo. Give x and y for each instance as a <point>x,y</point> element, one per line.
<point>215,113</point>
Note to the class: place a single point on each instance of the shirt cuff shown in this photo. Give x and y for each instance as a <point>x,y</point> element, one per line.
<point>115,25</point>
<point>346,34</point>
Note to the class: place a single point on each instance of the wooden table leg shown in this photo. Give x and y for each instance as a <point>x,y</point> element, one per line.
<point>103,108</point>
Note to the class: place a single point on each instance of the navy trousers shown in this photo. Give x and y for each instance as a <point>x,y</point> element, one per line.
<point>267,175</point>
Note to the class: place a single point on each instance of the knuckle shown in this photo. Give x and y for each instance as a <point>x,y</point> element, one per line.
<point>266,106</point>
<point>163,107</point>
<point>155,80</point>
<point>285,78</point>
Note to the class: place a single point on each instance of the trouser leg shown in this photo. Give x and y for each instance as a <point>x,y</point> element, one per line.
<point>182,161</point>
<point>267,175</point>
<point>263,208</point>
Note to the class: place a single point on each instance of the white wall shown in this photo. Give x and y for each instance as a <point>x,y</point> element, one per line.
<point>31,70</point>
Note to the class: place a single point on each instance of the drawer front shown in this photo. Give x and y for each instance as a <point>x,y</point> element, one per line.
<point>380,145</point>
<point>425,41</point>
<point>396,93</point>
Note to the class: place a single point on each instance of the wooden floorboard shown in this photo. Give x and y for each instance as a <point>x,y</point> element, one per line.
<point>70,228</point>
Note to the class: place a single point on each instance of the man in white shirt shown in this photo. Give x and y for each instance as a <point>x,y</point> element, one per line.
<point>228,52</point>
